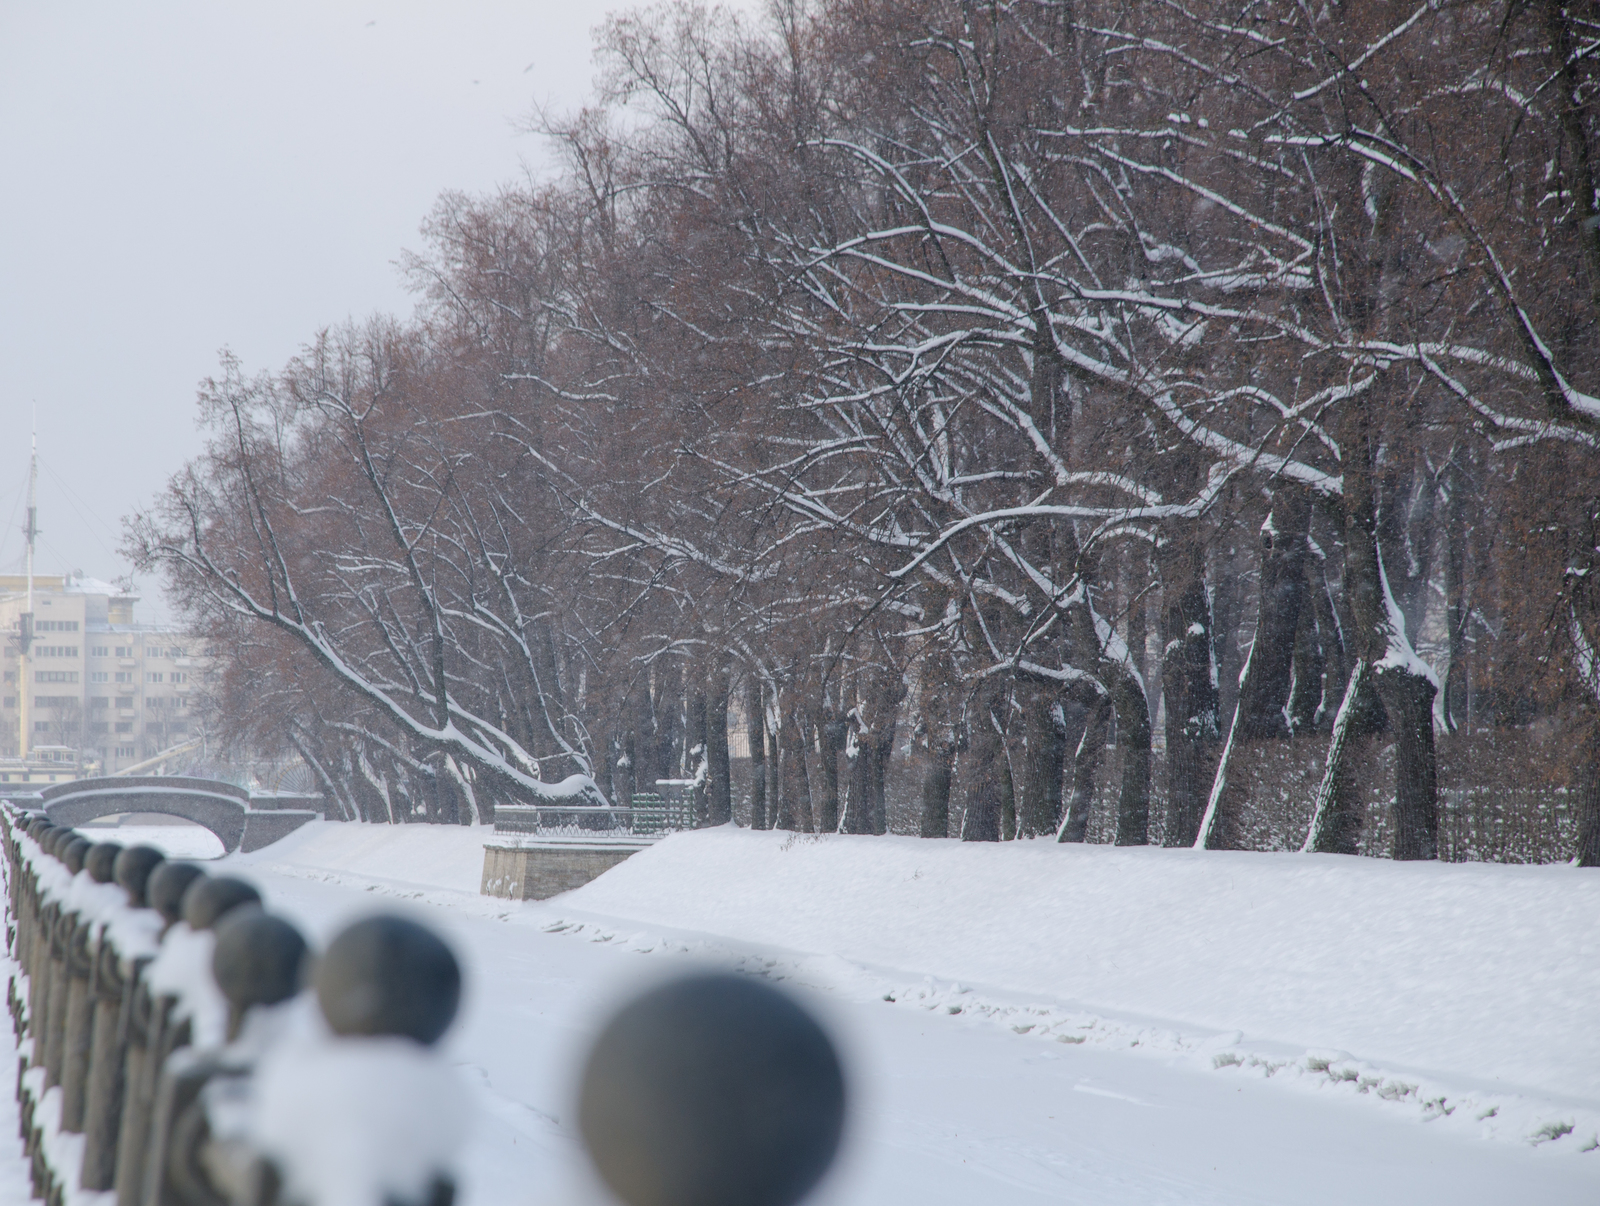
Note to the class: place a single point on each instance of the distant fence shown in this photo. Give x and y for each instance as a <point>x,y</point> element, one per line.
<point>1505,795</point>
<point>650,815</point>
<point>1492,808</point>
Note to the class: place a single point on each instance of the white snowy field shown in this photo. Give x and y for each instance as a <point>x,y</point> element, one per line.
<point>1031,1023</point>
<point>175,841</point>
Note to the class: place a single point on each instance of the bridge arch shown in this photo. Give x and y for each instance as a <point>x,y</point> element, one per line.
<point>223,808</point>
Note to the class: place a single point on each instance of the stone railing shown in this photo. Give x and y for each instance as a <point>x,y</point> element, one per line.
<point>164,1058</point>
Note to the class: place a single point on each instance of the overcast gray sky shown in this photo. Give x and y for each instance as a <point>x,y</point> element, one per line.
<point>177,177</point>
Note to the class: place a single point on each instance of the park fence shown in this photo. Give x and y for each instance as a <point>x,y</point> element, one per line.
<point>164,1058</point>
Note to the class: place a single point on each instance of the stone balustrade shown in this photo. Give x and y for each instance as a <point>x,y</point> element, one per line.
<point>165,1061</point>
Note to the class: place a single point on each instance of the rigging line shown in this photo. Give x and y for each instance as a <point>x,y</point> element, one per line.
<point>89,519</point>
<point>88,514</point>
<point>15,503</point>
<point>64,562</point>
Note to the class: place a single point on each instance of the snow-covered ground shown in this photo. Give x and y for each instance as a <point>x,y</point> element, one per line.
<point>1031,1023</point>
<point>176,841</point>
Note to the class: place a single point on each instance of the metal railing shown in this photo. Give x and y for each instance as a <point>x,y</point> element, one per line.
<point>651,815</point>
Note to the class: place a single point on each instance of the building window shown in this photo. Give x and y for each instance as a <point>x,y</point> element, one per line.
<point>124,650</point>
<point>100,651</point>
<point>152,676</point>
<point>55,651</point>
<point>98,726</point>
<point>124,726</point>
<point>99,676</point>
<point>155,703</point>
<point>124,751</point>
<point>54,701</point>
<point>99,701</point>
<point>180,730</point>
<point>57,626</point>
<point>55,676</point>
<point>152,651</point>
<point>41,726</point>
<point>124,676</point>
<point>11,701</point>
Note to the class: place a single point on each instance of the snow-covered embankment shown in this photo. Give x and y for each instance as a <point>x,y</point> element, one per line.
<point>1463,993</point>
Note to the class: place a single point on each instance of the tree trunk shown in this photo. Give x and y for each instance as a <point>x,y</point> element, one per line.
<point>1264,684</point>
<point>1310,669</point>
<point>797,782</point>
<point>719,784</point>
<point>694,736</point>
<point>1189,687</point>
<point>756,712</point>
<point>980,776</point>
<point>774,772</point>
<point>604,769</point>
<point>936,758</point>
<point>1008,802</point>
<point>1588,797</point>
<point>1397,674</point>
<point>1226,575</point>
<point>1337,817</point>
<point>623,776</point>
<point>1335,661</point>
<point>1264,690</point>
<point>1408,700</point>
<point>830,738</point>
<point>1567,29</point>
<point>784,813</point>
<point>1453,705</point>
<point>666,712</point>
<point>1135,581</point>
<point>365,789</point>
<point>548,702</point>
<point>1133,744</point>
<point>1043,758</point>
<point>882,749</point>
<point>794,806</point>
<point>858,786</point>
<point>1085,769</point>
<point>1379,637</point>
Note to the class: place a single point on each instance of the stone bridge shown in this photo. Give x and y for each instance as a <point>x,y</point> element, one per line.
<point>228,811</point>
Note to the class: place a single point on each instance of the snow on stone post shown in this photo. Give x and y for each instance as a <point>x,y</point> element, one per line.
<point>373,1114</point>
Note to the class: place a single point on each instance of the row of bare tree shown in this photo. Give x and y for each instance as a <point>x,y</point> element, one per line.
<point>1020,383</point>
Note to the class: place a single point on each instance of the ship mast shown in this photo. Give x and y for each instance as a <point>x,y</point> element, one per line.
<point>25,630</point>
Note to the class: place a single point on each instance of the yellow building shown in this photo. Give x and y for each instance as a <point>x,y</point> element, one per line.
<point>97,691</point>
